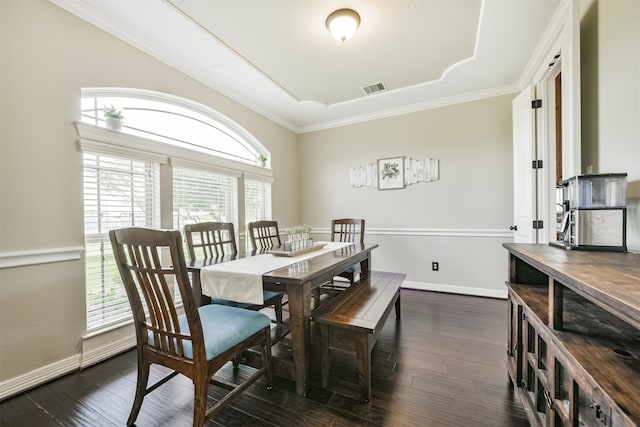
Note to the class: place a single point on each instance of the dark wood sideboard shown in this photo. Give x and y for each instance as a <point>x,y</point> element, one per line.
<point>574,335</point>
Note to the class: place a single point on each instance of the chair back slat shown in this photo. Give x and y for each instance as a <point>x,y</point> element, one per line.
<point>152,264</point>
<point>210,240</point>
<point>347,230</point>
<point>264,235</point>
<point>149,262</point>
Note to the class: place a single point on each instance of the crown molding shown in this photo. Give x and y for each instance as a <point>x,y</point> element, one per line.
<point>541,51</point>
<point>408,109</point>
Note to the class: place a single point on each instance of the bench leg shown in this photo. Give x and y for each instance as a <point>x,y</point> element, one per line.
<point>398,306</point>
<point>363,359</point>
<point>325,363</point>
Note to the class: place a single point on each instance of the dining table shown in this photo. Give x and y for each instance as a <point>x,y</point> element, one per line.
<point>298,278</point>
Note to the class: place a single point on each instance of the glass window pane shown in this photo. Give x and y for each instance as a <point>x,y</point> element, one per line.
<point>172,124</point>
<point>118,193</point>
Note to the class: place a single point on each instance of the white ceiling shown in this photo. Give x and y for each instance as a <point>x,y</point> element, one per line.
<point>277,57</point>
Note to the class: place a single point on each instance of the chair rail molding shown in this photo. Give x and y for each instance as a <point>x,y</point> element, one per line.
<point>428,232</point>
<point>39,256</point>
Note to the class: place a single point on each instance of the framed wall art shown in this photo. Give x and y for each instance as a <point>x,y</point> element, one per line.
<point>391,173</point>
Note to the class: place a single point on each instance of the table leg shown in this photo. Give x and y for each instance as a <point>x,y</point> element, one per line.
<point>197,289</point>
<point>299,315</point>
<point>364,267</point>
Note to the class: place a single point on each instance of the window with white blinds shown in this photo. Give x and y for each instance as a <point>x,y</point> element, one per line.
<point>257,202</point>
<point>200,196</point>
<point>118,192</point>
<point>204,151</point>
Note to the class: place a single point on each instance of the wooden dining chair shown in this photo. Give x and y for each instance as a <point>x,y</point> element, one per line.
<point>195,344</point>
<point>348,230</point>
<point>264,235</point>
<point>217,239</point>
<point>210,240</point>
<point>343,230</point>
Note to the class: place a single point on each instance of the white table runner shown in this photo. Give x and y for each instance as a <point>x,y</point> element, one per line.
<point>241,279</point>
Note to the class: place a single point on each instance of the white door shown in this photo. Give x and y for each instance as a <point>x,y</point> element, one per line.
<point>524,180</point>
<point>534,133</point>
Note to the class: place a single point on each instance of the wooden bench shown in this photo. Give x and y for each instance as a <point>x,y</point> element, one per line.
<point>353,319</point>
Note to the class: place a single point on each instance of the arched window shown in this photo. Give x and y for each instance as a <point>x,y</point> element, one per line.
<point>207,155</point>
<point>172,120</point>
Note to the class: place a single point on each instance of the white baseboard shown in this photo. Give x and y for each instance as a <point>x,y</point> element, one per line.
<point>62,367</point>
<point>91,357</point>
<point>452,289</point>
<point>38,376</point>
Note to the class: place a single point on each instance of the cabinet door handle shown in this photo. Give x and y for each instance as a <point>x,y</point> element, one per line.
<point>513,228</point>
<point>598,413</point>
<point>547,397</point>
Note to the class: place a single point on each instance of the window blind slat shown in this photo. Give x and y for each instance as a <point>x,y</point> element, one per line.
<point>118,192</point>
<point>201,196</point>
<point>257,202</point>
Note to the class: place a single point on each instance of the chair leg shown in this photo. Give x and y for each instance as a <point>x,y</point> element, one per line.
<point>200,386</point>
<point>266,359</point>
<point>278,308</point>
<point>141,389</point>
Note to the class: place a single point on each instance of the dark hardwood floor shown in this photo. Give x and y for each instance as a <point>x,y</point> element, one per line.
<point>442,364</point>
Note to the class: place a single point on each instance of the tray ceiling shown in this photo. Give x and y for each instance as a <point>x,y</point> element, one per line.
<point>277,57</point>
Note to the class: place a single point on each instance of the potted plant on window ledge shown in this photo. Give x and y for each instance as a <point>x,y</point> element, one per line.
<point>261,160</point>
<point>113,118</point>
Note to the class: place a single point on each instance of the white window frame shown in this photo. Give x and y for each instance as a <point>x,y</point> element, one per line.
<point>242,135</point>
<point>98,139</point>
<point>268,209</point>
<point>190,165</point>
<point>152,220</point>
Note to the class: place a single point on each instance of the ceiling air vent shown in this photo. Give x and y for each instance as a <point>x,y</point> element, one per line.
<point>376,87</point>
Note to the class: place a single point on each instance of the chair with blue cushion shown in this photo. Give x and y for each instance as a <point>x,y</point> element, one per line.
<point>195,344</point>
<point>217,239</point>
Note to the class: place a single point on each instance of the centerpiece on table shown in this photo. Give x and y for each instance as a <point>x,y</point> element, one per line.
<point>298,238</point>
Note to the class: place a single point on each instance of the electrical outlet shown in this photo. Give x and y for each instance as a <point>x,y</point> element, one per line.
<point>435,266</point>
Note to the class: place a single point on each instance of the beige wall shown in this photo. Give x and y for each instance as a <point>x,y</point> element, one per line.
<point>47,56</point>
<point>610,51</point>
<point>426,222</point>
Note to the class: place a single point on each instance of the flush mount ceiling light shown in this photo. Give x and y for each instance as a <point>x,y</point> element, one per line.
<point>343,23</point>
